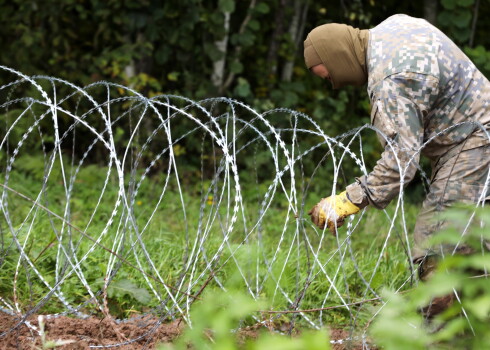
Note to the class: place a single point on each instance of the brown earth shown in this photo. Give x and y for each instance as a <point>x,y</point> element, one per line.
<point>94,331</point>
<point>90,331</point>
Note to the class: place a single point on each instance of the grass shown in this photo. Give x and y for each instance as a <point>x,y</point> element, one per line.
<point>258,258</point>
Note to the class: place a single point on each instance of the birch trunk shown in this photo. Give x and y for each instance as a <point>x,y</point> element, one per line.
<point>238,49</point>
<point>222,46</point>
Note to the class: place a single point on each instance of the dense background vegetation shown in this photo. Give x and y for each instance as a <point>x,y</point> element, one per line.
<point>250,50</point>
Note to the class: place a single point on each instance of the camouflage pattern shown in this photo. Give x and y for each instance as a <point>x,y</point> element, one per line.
<point>457,177</point>
<point>420,84</point>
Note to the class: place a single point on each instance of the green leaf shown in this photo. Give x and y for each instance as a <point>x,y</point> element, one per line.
<point>226,5</point>
<point>245,39</point>
<point>465,3</point>
<point>162,54</point>
<point>289,99</point>
<point>243,88</point>
<point>441,284</point>
<point>398,327</point>
<point>27,39</point>
<point>462,35</point>
<point>462,19</point>
<point>262,8</point>
<point>173,76</point>
<point>254,24</point>
<point>480,307</point>
<point>212,51</point>
<point>444,18</point>
<point>449,4</point>
<point>216,18</point>
<point>236,67</point>
<point>478,261</point>
<point>456,326</point>
<point>126,287</point>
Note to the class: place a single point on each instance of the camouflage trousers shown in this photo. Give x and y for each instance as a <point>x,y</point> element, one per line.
<point>457,177</point>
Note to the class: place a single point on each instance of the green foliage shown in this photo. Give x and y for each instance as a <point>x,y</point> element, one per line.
<point>392,331</point>
<point>465,323</point>
<point>165,241</point>
<point>456,18</point>
<point>315,340</point>
<point>481,57</point>
<point>218,313</point>
<point>170,48</point>
<point>120,289</point>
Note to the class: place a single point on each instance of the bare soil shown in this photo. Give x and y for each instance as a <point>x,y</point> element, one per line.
<point>91,331</point>
<point>131,334</point>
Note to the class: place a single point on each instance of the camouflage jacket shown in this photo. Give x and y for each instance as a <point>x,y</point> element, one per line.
<point>420,84</point>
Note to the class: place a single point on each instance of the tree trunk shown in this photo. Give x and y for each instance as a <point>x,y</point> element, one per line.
<point>276,39</point>
<point>296,32</point>
<point>430,11</point>
<point>130,69</point>
<point>473,24</point>
<point>238,49</point>
<point>143,65</point>
<point>221,45</point>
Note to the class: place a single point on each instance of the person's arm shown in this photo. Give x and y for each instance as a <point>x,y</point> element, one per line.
<point>401,102</point>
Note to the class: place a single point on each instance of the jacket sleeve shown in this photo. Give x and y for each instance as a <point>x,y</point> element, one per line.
<point>399,107</point>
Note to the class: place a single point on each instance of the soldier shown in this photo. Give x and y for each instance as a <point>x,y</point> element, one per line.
<point>427,98</point>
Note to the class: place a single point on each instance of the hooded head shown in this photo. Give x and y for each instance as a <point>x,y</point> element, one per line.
<point>342,49</point>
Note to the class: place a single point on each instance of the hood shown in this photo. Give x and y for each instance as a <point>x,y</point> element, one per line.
<point>342,49</point>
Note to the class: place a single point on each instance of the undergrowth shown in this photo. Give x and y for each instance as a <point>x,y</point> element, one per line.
<point>169,238</point>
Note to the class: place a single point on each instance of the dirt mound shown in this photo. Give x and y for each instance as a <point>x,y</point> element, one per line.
<point>131,334</point>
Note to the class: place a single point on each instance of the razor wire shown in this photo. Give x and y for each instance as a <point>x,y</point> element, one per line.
<point>229,230</point>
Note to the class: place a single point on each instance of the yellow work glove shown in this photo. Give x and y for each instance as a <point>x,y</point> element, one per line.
<point>332,209</point>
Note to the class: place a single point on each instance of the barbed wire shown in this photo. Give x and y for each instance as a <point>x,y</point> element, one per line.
<point>250,222</point>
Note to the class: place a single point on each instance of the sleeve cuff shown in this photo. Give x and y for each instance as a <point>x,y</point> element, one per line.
<point>356,194</point>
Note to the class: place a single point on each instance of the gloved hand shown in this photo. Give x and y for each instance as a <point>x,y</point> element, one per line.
<point>332,209</point>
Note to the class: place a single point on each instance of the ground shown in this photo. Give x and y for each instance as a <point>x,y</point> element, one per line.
<point>133,334</point>
<point>90,331</point>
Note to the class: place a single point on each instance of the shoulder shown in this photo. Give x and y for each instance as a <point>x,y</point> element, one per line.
<point>403,44</point>
<point>401,20</point>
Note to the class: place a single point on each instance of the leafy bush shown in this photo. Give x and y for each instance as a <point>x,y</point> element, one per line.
<point>216,322</point>
<point>465,323</point>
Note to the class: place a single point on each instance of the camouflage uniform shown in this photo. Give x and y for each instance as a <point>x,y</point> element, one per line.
<point>420,83</point>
